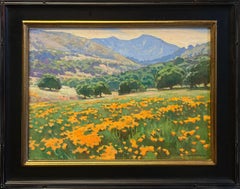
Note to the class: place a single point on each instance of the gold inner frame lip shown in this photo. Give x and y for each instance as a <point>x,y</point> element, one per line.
<point>27,24</point>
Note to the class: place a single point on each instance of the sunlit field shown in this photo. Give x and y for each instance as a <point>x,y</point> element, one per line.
<point>155,125</point>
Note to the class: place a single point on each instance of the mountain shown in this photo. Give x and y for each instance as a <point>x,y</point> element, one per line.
<point>200,49</point>
<point>145,49</point>
<point>68,56</point>
<point>189,53</point>
<point>172,56</point>
<point>62,53</point>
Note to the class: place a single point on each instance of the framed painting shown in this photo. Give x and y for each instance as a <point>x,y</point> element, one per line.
<point>118,95</point>
<point>119,92</point>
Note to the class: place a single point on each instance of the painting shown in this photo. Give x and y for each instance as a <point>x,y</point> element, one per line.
<point>119,93</point>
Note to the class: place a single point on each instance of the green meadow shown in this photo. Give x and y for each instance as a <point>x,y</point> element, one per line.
<point>153,125</point>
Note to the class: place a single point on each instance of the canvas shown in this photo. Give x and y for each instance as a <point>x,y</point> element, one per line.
<point>126,92</point>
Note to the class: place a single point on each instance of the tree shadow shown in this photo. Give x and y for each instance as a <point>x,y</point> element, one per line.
<point>50,90</point>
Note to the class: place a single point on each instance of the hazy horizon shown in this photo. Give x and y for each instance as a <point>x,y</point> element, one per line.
<point>182,37</point>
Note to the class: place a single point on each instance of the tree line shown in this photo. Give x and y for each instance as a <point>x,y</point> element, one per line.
<point>189,73</point>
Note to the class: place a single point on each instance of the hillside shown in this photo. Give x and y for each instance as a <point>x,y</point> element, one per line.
<point>65,54</point>
<point>188,53</point>
<point>202,49</point>
<point>145,75</point>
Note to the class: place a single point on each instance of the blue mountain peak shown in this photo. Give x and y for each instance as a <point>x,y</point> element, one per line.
<point>149,37</point>
<point>144,48</point>
<point>113,38</point>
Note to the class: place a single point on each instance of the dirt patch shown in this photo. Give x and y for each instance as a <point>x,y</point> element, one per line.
<point>65,93</point>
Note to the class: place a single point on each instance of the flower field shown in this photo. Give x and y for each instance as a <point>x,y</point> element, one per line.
<point>172,125</point>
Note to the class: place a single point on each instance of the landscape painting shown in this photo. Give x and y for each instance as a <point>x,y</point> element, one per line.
<point>119,93</point>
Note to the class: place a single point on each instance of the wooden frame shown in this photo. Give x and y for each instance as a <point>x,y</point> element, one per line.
<point>13,174</point>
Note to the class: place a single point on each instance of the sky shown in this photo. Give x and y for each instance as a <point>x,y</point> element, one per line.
<point>182,37</point>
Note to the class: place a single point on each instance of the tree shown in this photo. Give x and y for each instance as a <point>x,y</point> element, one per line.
<point>148,80</point>
<point>101,88</point>
<point>73,82</point>
<point>190,79</point>
<point>169,76</point>
<point>124,88</point>
<point>134,76</point>
<point>178,60</point>
<point>84,90</point>
<point>154,70</point>
<point>129,86</point>
<point>114,84</point>
<point>135,85</point>
<point>199,73</point>
<point>49,81</point>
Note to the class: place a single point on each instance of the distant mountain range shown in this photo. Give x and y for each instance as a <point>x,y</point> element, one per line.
<point>145,49</point>
<point>62,53</point>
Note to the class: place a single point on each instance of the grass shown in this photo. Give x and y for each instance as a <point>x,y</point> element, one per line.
<point>156,125</point>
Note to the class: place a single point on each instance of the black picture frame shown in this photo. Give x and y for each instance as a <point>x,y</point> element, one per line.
<point>225,174</point>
